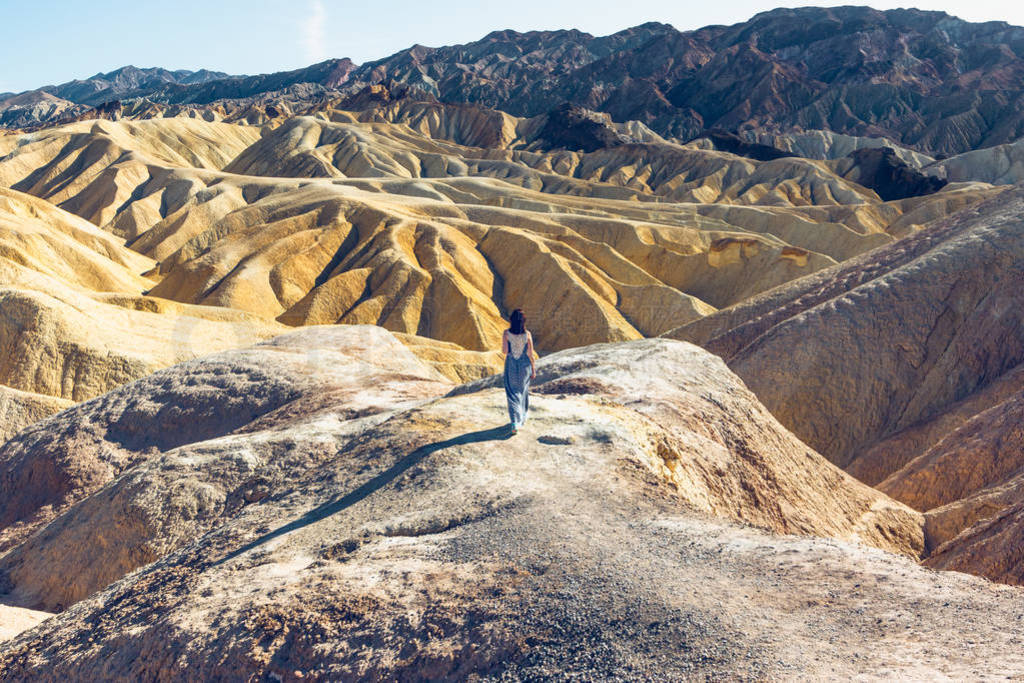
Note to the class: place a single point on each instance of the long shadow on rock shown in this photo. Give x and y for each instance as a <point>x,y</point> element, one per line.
<point>372,486</point>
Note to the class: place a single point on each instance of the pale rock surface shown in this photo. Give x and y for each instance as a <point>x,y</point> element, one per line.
<point>60,460</point>
<point>14,620</point>
<point>288,406</point>
<point>18,409</point>
<point>421,541</point>
<point>998,165</point>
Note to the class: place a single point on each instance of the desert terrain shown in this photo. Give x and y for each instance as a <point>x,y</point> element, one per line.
<point>253,425</point>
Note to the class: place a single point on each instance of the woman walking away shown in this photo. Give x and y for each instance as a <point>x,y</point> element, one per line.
<point>517,345</point>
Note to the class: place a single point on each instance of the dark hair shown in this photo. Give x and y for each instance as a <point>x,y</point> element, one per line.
<point>518,322</point>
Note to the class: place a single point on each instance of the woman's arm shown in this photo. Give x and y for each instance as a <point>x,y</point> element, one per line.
<point>529,354</point>
<point>504,343</point>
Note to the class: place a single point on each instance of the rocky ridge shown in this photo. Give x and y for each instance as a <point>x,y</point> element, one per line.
<point>288,534</point>
<point>369,476</point>
<point>911,354</point>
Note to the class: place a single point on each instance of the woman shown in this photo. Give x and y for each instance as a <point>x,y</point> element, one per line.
<point>517,345</point>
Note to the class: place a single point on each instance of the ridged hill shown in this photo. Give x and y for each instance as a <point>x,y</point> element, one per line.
<point>73,321</point>
<point>925,79</point>
<point>382,223</point>
<point>903,366</point>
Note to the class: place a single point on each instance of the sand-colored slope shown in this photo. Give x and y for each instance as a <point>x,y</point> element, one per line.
<point>439,239</point>
<point>73,347</point>
<point>92,168</point>
<point>937,322</point>
<point>892,453</point>
<point>312,147</point>
<point>904,367</point>
<point>451,360</point>
<point>38,238</point>
<point>73,321</point>
<point>330,252</point>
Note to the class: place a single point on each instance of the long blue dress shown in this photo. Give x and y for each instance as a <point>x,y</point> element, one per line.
<point>517,383</point>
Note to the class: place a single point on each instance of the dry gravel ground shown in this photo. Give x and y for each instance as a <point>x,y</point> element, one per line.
<point>695,598</point>
<point>613,592</point>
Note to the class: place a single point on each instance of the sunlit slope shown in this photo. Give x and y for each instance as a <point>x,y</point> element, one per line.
<point>904,367</point>
<point>73,319</point>
<point>383,224</point>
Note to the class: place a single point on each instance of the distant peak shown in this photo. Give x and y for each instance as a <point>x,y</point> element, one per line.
<point>651,26</point>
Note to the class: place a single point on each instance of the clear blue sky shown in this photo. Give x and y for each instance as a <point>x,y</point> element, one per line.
<point>52,41</point>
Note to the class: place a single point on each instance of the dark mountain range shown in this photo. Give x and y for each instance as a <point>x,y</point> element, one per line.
<point>328,74</point>
<point>522,73</point>
<point>110,86</point>
<point>924,79</point>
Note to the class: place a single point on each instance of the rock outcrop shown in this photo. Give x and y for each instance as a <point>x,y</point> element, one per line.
<point>338,454</point>
<point>327,521</point>
<point>48,469</point>
<point>883,171</point>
